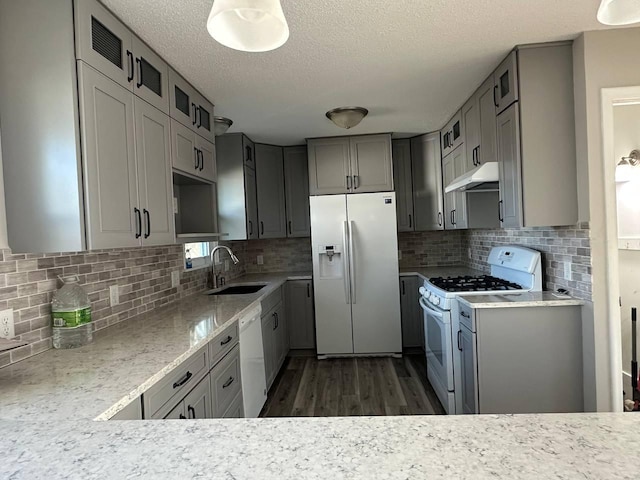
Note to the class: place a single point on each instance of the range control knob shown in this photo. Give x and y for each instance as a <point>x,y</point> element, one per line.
<point>436,300</point>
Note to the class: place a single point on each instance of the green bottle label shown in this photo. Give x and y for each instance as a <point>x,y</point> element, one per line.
<point>71,319</point>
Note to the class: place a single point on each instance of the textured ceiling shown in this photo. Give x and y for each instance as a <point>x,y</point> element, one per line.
<point>410,62</point>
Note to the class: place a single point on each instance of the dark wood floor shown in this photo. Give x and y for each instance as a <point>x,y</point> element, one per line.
<point>309,387</point>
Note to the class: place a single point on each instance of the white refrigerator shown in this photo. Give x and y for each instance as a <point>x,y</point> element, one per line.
<point>355,274</point>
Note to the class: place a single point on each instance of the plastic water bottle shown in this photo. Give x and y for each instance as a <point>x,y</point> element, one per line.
<point>71,314</point>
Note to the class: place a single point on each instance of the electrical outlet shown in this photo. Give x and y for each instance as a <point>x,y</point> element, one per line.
<point>399,254</point>
<point>226,265</point>
<point>114,295</point>
<point>567,271</point>
<point>7,329</point>
<point>175,279</point>
<point>260,260</point>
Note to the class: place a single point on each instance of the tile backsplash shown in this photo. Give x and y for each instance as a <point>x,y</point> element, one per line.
<point>557,244</point>
<point>143,277</point>
<point>430,249</point>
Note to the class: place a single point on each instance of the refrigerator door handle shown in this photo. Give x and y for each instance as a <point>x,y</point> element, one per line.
<point>345,265</point>
<point>352,266</point>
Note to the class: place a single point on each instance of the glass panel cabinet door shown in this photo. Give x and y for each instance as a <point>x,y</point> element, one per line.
<point>151,76</point>
<point>506,83</point>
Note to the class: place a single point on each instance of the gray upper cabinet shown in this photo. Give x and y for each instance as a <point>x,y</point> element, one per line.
<point>448,175</point>
<point>207,164</point>
<point>249,150</point>
<point>108,45</point>
<point>402,181</point>
<point>300,314</point>
<point>487,149</point>
<point>296,181</point>
<point>471,119</point>
<point>371,163</point>
<point>510,206</point>
<point>329,166</point>
<point>153,158</point>
<point>236,188</point>
<point>426,164</point>
<point>506,83</point>
<point>114,218</point>
<point>190,108</point>
<point>350,164</point>
<point>452,134</point>
<point>270,192</point>
<point>184,154</point>
<point>453,165</point>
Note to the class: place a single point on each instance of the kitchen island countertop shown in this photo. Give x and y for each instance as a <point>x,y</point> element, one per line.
<point>528,299</point>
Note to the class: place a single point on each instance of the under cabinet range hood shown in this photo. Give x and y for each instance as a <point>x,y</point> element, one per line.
<point>484,177</point>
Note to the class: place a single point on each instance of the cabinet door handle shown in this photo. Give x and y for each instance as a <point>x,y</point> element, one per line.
<point>308,290</point>
<point>201,160</point>
<point>249,156</point>
<point>139,82</point>
<point>182,417</point>
<point>228,382</point>
<point>439,219</point>
<point>275,321</point>
<point>348,182</point>
<point>183,380</point>
<point>197,159</point>
<point>261,228</point>
<point>226,340</point>
<point>495,101</point>
<point>191,412</point>
<point>193,110</point>
<point>131,66</point>
<point>459,343</point>
<point>356,182</point>
<point>403,289</point>
<point>478,155</point>
<point>289,227</point>
<point>465,314</point>
<point>147,217</point>
<point>136,211</point>
<point>198,117</point>
<point>250,228</point>
<point>410,221</point>
<point>500,217</point>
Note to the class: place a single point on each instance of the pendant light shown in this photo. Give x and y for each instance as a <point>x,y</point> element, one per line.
<point>347,117</point>
<point>221,125</point>
<point>248,25</point>
<point>619,12</point>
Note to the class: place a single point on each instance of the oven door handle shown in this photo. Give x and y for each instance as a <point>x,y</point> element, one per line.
<point>430,310</point>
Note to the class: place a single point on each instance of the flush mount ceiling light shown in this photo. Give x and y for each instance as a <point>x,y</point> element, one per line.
<point>221,125</point>
<point>624,170</point>
<point>347,117</point>
<point>248,25</point>
<point>619,12</point>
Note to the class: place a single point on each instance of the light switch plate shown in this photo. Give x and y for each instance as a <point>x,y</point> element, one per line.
<point>114,295</point>
<point>7,329</point>
<point>260,260</point>
<point>175,279</point>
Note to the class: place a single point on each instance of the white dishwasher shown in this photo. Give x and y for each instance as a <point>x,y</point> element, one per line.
<point>254,383</point>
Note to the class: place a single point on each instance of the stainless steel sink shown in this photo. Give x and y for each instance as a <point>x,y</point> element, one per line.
<point>238,289</point>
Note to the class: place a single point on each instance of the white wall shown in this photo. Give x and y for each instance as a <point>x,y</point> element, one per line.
<point>4,242</point>
<point>602,59</point>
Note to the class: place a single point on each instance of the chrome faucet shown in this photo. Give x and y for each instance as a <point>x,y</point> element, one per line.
<point>215,277</point>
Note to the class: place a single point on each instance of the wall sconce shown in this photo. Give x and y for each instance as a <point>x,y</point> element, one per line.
<point>624,170</point>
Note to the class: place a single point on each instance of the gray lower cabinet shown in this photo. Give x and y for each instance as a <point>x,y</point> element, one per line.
<point>226,382</point>
<point>133,411</point>
<point>468,370</point>
<point>236,187</point>
<point>236,409</point>
<point>300,314</point>
<point>401,153</point>
<point>270,192</point>
<point>275,338</point>
<point>296,182</point>
<point>426,166</point>
<point>411,313</point>
<point>350,164</point>
<point>196,405</point>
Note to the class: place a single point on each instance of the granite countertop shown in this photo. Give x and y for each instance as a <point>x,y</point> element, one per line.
<point>428,272</point>
<point>529,299</point>
<point>98,380</point>
<point>562,446</point>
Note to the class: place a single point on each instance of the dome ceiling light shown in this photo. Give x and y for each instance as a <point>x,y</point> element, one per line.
<point>619,12</point>
<point>248,25</point>
<point>221,125</point>
<point>347,117</point>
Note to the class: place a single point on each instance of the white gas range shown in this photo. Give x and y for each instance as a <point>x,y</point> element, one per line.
<point>513,270</point>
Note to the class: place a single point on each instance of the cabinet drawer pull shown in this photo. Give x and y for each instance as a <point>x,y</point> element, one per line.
<point>191,411</point>
<point>183,380</point>
<point>465,314</point>
<point>139,82</point>
<point>228,382</point>
<point>131,66</point>
<point>226,340</point>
